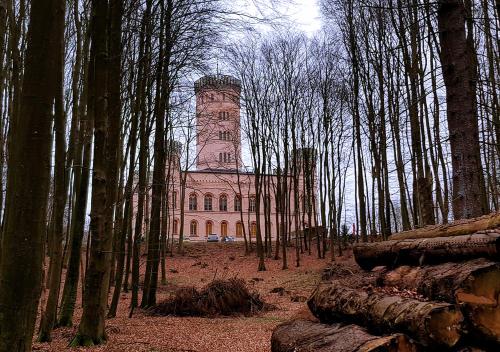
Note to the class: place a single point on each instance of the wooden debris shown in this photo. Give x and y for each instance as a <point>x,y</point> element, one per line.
<point>457,228</point>
<point>428,322</point>
<point>428,250</point>
<point>305,336</point>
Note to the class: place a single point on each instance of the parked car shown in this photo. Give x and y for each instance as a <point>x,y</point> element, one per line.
<point>228,239</point>
<point>213,238</point>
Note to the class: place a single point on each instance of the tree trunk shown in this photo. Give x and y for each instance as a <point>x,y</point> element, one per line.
<point>91,329</point>
<point>305,336</point>
<point>115,111</point>
<point>459,67</point>
<point>430,323</point>
<point>28,184</point>
<point>49,315</point>
<point>457,228</point>
<point>428,251</point>
<point>143,146</point>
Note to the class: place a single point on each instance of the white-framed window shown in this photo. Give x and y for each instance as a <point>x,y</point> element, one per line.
<point>251,204</point>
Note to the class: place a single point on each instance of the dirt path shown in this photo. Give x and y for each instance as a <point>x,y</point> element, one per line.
<point>200,265</point>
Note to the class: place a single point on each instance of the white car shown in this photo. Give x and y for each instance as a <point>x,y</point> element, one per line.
<point>213,238</point>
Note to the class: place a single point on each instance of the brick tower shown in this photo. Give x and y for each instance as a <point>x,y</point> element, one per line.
<point>218,143</point>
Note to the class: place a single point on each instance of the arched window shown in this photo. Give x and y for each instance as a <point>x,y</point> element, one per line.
<point>239,229</point>
<point>223,202</point>
<point>208,202</point>
<point>174,200</point>
<point>209,227</point>
<point>175,225</point>
<point>193,228</point>
<point>251,204</point>
<point>220,135</point>
<point>253,229</point>
<point>237,203</point>
<point>223,229</point>
<point>220,157</point>
<point>193,201</point>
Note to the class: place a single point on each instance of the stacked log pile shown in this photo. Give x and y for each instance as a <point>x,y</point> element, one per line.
<point>418,291</point>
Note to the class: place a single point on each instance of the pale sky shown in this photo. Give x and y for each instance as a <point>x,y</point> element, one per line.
<point>304,14</point>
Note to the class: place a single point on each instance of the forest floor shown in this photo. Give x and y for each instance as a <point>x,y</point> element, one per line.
<point>202,263</point>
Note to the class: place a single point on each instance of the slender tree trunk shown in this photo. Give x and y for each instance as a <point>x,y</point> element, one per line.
<point>60,189</point>
<point>143,146</point>
<point>91,330</point>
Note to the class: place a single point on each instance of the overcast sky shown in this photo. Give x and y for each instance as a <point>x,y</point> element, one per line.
<point>304,14</point>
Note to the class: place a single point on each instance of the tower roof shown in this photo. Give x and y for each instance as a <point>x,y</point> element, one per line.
<point>217,81</point>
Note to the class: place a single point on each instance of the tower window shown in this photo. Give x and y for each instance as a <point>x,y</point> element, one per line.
<point>212,98</point>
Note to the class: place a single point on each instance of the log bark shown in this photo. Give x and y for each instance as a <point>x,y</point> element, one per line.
<point>474,285</point>
<point>430,323</point>
<point>428,250</point>
<point>304,336</point>
<point>457,228</point>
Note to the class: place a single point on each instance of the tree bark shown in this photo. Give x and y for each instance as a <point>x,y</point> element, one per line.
<point>459,74</point>
<point>305,336</point>
<point>60,189</point>
<point>28,185</point>
<point>473,285</point>
<point>430,323</point>
<point>91,329</point>
<point>428,251</point>
<point>115,111</point>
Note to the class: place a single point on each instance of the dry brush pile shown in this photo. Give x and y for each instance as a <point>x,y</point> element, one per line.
<point>415,292</point>
<point>219,297</point>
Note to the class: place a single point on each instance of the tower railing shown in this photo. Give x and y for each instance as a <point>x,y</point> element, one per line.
<point>218,80</point>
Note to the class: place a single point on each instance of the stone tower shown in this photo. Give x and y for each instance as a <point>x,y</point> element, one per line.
<point>218,143</point>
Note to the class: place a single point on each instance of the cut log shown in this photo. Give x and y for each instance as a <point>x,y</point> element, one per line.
<point>427,322</point>
<point>306,336</point>
<point>428,250</point>
<point>457,228</point>
<point>474,285</point>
